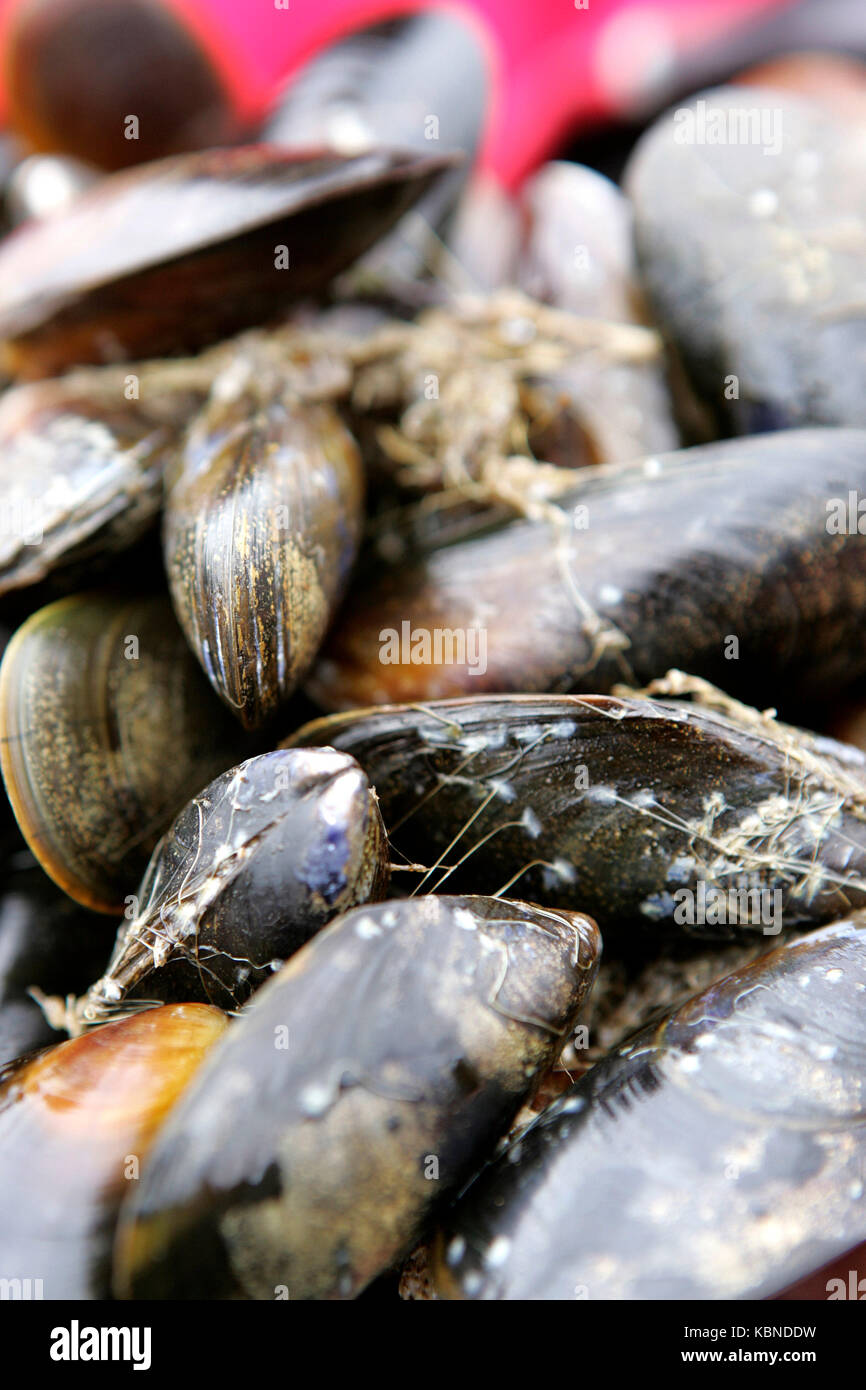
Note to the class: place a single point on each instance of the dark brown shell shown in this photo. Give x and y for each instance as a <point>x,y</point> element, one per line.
<point>73,70</point>
<point>168,256</point>
<point>616,805</point>
<point>263,517</point>
<point>636,569</point>
<point>101,746</point>
<point>358,1088</point>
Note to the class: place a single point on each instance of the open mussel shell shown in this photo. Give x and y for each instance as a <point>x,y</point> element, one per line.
<point>253,866</point>
<point>750,220</point>
<point>48,943</point>
<point>171,255</point>
<point>618,805</point>
<point>263,517</point>
<point>718,1154</point>
<point>108,726</point>
<point>368,1079</point>
<point>75,1126</point>
<point>81,465</point>
<point>726,560</point>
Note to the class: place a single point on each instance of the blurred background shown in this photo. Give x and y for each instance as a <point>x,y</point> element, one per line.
<point>511,82</point>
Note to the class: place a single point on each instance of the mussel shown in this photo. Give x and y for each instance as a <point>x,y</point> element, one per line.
<point>486,232</point>
<point>74,69</point>
<point>75,1126</point>
<point>363,1083</point>
<point>108,727</point>
<point>254,865</point>
<point>82,461</point>
<point>718,1154</point>
<point>738,561</point>
<point>644,812</point>
<point>400,83</point>
<point>751,231</point>
<point>167,257</point>
<point>263,517</point>
<point>600,407</point>
<point>645,977</point>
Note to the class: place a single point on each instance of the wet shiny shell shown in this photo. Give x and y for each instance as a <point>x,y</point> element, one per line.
<point>640,567</point>
<point>614,805</point>
<point>253,866</point>
<point>262,523</point>
<point>362,1084</point>
<point>81,466</point>
<point>171,255</point>
<point>717,1155</point>
<point>75,1125</point>
<point>108,727</point>
<point>752,254</point>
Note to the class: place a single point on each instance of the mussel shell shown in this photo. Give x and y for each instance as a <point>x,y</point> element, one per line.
<point>75,1125</point>
<point>73,69</point>
<point>46,941</point>
<point>718,1154</point>
<point>378,86</point>
<point>485,233</point>
<point>102,742</point>
<point>81,467</point>
<point>255,864</point>
<point>751,248</point>
<point>614,805</point>
<point>647,976</point>
<point>263,518</point>
<point>171,255</point>
<point>412,1030</point>
<point>572,209</point>
<point>579,256</point>
<point>667,559</point>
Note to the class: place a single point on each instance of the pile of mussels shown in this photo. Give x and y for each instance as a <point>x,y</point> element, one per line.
<point>376,650</point>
